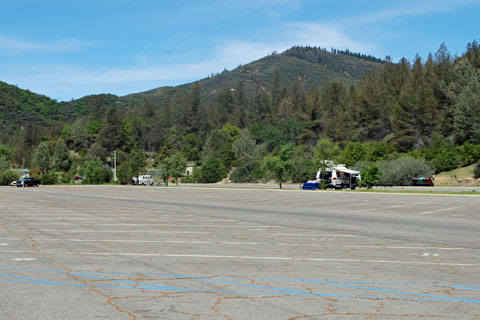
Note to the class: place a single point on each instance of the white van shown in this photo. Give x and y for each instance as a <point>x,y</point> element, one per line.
<point>143,180</point>
<point>338,176</point>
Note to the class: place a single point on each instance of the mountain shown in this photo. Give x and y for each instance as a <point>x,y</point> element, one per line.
<point>20,107</point>
<point>311,67</point>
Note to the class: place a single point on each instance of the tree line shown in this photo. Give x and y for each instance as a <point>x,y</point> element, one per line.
<point>425,110</point>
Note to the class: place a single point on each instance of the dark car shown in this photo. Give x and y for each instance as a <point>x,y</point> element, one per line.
<point>28,182</point>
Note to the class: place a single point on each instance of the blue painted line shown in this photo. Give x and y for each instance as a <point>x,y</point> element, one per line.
<point>463,287</point>
<point>271,290</point>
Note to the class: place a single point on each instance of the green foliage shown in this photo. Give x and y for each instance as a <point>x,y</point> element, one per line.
<point>476,171</point>
<point>6,152</point>
<point>22,106</point>
<point>66,177</point>
<point>190,149</point>
<point>95,173</point>
<point>248,156</point>
<point>93,128</point>
<point>124,172</point>
<point>61,159</point>
<point>49,178</point>
<point>304,169</point>
<point>7,176</point>
<point>4,164</point>
<point>280,166</point>
<point>336,105</point>
<point>173,166</point>
<point>370,176</point>
<point>468,153</point>
<point>41,158</point>
<point>401,171</point>
<point>353,152</point>
<point>325,150</point>
<point>137,162</point>
<point>212,170</point>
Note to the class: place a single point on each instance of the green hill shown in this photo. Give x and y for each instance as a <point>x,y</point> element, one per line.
<point>311,67</point>
<point>20,107</point>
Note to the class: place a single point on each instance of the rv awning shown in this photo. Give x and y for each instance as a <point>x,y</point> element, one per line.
<point>343,169</point>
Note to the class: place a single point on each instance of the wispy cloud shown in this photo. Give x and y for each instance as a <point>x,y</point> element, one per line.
<point>410,8</point>
<point>65,82</point>
<point>12,46</point>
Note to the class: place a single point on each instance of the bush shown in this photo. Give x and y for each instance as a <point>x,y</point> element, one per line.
<point>66,177</point>
<point>49,178</point>
<point>400,172</point>
<point>7,176</point>
<point>240,174</point>
<point>476,171</point>
<point>445,160</point>
<point>94,173</point>
<point>213,170</point>
<point>468,153</point>
<point>370,176</point>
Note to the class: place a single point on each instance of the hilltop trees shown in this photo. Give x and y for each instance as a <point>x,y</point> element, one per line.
<point>280,127</point>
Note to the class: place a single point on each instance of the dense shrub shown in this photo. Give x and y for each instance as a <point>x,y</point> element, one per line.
<point>400,172</point>
<point>468,153</point>
<point>49,178</point>
<point>212,170</point>
<point>476,171</point>
<point>94,173</point>
<point>370,176</point>
<point>7,176</point>
<point>240,174</point>
<point>445,160</point>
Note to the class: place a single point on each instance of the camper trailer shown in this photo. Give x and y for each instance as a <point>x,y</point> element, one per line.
<point>143,180</point>
<point>336,176</point>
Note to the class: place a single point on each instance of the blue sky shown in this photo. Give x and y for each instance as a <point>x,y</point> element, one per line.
<point>71,48</point>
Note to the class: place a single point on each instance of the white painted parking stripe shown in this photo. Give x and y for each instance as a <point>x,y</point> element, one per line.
<point>155,224</point>
<point>445,209</point>
<point>112,231</point>
<point>313,235</point>
<point>407,205</point>
<point>239,243</point>
<point>95,218</point>
<point>183,232</point>
<point>301,259</point>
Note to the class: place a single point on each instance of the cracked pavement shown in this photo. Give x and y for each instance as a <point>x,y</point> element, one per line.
<point>76,252</point>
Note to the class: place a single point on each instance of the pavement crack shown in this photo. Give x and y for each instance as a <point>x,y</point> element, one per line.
<point>29,242</point>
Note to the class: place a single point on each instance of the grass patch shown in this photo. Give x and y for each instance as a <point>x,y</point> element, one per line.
<point>460,177</point>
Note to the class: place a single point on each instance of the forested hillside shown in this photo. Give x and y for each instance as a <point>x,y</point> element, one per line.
<point>21,107</point>
<point>273,124</point>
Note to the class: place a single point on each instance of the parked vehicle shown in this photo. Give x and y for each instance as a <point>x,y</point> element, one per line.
<point>336,176</point>
<point>28,182</point>
<point>143,180</point>
<point>423,181</point>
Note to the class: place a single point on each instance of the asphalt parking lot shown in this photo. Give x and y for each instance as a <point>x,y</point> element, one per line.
<point>78,252</point>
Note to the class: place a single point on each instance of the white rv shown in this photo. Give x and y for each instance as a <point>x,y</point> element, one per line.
<point>143,180</point>
<point>337,176</point>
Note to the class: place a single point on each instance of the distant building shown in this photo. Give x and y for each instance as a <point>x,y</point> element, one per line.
<point>22,172</point>
<point>189,169</point>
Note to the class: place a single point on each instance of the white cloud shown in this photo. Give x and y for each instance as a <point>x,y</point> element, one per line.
<point>410,8</point>
<point>325,36</point>
<point>65,82</point>
<point>11,46</point>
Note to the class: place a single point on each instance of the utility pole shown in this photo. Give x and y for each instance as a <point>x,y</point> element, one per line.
<point>115,165</point>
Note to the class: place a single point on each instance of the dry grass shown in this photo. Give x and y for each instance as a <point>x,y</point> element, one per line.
<point>461,177</point>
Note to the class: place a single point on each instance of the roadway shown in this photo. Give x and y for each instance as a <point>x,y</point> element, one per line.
<point>76,252</point>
